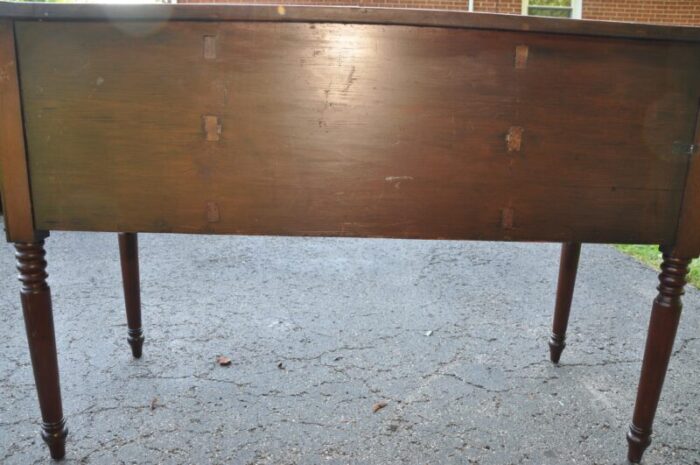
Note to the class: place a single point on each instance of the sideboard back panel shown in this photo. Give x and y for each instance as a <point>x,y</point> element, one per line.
<point>355,130</point>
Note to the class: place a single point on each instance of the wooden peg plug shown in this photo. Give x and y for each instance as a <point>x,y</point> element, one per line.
<point>212,127</point>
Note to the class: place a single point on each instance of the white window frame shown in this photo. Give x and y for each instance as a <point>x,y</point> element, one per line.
<point>576,8</point>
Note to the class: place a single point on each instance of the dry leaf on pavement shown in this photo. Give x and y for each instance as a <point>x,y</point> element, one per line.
<point>378,406</point>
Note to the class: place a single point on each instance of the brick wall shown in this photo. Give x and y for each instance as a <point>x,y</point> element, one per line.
<point>498,6</point>
<point>685,12</point>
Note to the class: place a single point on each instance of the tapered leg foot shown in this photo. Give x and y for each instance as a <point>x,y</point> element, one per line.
<point>637,441</point>
<point>568,267</point>
<point>54,435</point>
<point>38,319</point>
<point>129,255</point>
<point>135,340</point>
<point>556,347</point>
<point>665,315</point>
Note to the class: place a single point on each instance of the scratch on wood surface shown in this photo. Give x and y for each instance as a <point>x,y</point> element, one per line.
<point>521,54</point>
<point>213,215</point>
<point>349,81</point>
<point>212,127</point>
<point>514,138</point>
<point>397,180</point>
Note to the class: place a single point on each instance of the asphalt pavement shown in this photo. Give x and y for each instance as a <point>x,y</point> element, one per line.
<point>449,338</point>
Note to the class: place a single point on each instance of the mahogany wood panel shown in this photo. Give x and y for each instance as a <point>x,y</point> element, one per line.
<point>354,130</point>
<point>14,179</point>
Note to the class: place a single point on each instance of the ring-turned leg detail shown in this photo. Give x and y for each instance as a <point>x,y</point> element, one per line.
<point>129,255</point>
<point>38,319</point>
<point>665,315</point>
<point>54,434</point>
<point>568,267</point>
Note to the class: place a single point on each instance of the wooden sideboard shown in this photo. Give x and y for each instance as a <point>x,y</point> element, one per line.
<point>271,120</point>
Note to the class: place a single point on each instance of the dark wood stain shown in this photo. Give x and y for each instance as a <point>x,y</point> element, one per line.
<point>665,315</point>
<point>38,318</point>
<point>129,259</point>
<point>317,118</point>
<point>568,266</point>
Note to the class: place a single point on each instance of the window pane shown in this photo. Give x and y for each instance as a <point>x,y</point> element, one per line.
<point>549,11</point>
<point>565,3</point>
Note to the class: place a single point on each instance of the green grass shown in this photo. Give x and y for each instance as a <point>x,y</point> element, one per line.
<point>650,255</point>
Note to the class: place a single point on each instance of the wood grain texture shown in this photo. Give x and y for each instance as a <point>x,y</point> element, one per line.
<point>14,179</point>
<point>342,14</point>
<point>355,130</point>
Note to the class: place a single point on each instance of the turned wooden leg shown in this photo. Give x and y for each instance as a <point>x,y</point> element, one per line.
<point>129,254</point>
<point>38,319</point>
<point>665,315</point>
<point>568,266</point>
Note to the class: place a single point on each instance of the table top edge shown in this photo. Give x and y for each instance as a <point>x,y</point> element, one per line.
<point>342,14</point>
